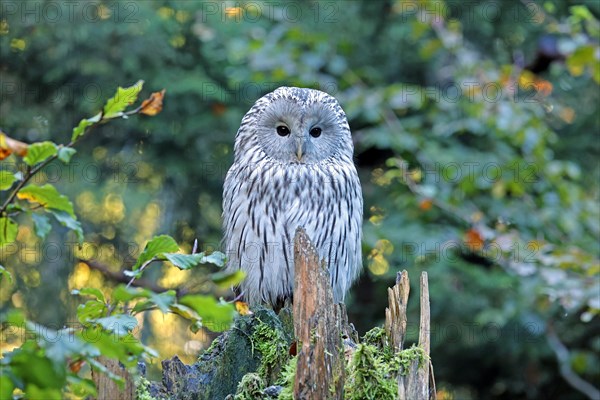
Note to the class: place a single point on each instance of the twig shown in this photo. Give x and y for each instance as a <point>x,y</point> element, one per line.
<point>120,277</point>
<point>563,358</point>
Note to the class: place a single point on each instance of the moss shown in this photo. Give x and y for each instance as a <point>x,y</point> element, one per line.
<point>402,361</point>
<point>287,378</point>
<point>376,337</point>
<point>250,387</point>
<point>273,346</point>
<point>369,376</point>
<point>142,389</point>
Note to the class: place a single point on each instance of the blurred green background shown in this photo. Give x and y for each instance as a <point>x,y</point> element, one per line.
<point>476,126</point>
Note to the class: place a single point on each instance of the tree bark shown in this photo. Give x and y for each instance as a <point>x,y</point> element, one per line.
<point>317,327</point>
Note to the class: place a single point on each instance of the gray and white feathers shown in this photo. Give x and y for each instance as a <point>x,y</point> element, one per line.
<point>293,166</point>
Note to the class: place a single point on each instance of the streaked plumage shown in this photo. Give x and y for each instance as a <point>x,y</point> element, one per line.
<point>283,178</point>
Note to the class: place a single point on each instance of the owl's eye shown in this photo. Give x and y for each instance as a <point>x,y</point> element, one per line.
<point>315,132</point>
<point>283,130</point>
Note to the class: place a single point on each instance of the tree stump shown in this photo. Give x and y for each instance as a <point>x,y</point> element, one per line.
<point>317,327</point>
<point>107,387</point>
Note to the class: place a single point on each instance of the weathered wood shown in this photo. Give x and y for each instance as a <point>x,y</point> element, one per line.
<point>416,383</point>
<point>109,389</point>
<point>395,313</point>
<point>317,327</point>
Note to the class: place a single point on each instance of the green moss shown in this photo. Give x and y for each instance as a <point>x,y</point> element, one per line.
<point>376,337</point>
<point>402,361</point>
<point>287,378</point>
<point>273,346</point>
<point>250,388</point>
<point>369,376</point>
<point>141,389</point>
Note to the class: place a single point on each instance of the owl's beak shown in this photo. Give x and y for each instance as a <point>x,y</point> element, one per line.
<point>300,149</point>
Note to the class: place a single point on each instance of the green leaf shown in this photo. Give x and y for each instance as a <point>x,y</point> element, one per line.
<point>8,231</point>
<point>184,261</point>
<point>163,301</point>
<point>184,311</point>
<point>215,315</point>
<point>7,178</point>
<point>228,279</point>
<point>92,292</point>
<point>79,130</point>
<point>6,387</point>
<point>114,106</point>
<point>48,197</point>
<point>15,317</point>
<point>39,152</point>
<point>90,311</point>
<point>216,257</point>
<point>4,272</point>
<point>124,348</point>
<point>120,324</point>
<point>156,246</point>
<point>70,222</point>
<point>124,294</point>
<point>41,225</point>
<point>35,369</point>
<point>65,154</point>
<point>83,388</point>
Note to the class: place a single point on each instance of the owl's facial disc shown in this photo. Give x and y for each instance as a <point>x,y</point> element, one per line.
<point>302,127</point>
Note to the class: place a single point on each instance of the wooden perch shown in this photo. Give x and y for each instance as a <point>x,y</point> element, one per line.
<point>317,327</point>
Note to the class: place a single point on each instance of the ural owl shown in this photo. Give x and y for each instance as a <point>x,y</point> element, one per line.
<point>292,168</point>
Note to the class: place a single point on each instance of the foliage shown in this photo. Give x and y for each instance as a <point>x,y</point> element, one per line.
<point>475,127</point>
<point>47,362</point>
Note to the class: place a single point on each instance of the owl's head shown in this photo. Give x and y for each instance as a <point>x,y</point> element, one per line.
<point>296,125</point>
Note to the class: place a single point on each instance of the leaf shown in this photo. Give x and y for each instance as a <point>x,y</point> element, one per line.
<point>114,106</point>
<point>89,291</point>
<point>90,311</point>
<point>582,57</point>
<point>215,316</point>
<point>163,301</point>
<point>15,317</point>
<point>6,387</point>
<point>157,245</point>
<point>9,146</point>
<point>228,279</point>
<point>425,204</point>
<point>125,348</point>
<point>473,239</point>
<point>243,308</point>
<point>120,324</point>
<point>8,231</point>
<point>79,130</point>
<point>4,272</point>
<point>48,197</point>
<point>184,311</point>
<point>184,261</point>
<point>7,179</point>
<point>153,105</point>
<point>123,294</point>
<point>70,222</point>
<point>216,257</point>
<point>65,154</point>
<point>40,152</point>
<point>41,225</point>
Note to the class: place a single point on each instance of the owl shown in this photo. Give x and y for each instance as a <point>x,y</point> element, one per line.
<point>293,167</point>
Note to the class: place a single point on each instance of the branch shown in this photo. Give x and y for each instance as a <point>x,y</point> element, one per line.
<point>121,277</point>
<point>563,358</point>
